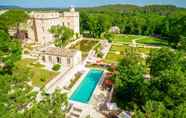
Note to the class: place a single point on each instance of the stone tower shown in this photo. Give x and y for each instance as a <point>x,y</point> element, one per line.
<point>71,19</point>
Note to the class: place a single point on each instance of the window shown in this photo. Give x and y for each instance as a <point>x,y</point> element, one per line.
<point>26,35</point>
<point>68,24</point>
<point>58,60</point>
<point>43,58</point>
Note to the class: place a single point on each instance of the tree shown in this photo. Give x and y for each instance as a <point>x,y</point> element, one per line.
<point>152,109</point>
<point>98,24</point>
<point>49,107</point>
<point>164,21</point>
<point>83,21</point>
<point>168,83</point>
<point>180,111</point>
<point>13,18</point>
<point>162,59</point>
<point>10,48</point>
<point>16,94</point>
<point>161,96</point>
<point>182,43</point>
<point>108,36</point>
<point>169,87</point>
<point>130,87</point>
<point>61,34</point>
<point>10,52</point>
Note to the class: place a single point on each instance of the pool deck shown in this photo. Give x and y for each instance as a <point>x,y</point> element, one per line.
<point>78,83</point>
<point>90,108</point>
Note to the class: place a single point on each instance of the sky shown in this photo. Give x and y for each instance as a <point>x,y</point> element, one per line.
<point>86,3</point>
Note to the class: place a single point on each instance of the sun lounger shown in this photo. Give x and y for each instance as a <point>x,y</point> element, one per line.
<point>77,109</point>
<point>75,115</point>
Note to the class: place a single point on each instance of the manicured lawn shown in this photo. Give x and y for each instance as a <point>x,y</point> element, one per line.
<point>113,57</point>
<point>39,75</point>
<point>117,52</point>
<point>85,45</point>
<point>124,38</point>
<point>152,41</point>
<point>119,47</point>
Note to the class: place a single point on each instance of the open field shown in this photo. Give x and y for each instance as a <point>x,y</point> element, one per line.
<point>39,75</point>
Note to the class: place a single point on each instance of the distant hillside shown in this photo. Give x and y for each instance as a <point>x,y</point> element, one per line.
<point>122,8</point>
<point>132,9</point>
<point>8,7</point>
<point>116,7</point>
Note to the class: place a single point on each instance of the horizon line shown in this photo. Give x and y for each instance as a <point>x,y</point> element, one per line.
<point>87,6</point>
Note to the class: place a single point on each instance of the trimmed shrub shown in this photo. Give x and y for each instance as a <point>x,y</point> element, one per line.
<point>100,55</point>
<point>56,67</point>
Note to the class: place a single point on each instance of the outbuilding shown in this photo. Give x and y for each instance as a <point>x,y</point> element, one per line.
<point>65,57</point>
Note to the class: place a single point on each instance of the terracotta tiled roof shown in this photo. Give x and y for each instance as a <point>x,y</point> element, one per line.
<point>59,52</point>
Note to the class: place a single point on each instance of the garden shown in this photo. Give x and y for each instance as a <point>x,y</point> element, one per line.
<point>85,46</point>
<point>117,52</point>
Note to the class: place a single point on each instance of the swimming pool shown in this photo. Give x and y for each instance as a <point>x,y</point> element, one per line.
<point>84,91</point>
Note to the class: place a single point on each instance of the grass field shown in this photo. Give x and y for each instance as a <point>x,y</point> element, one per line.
<point>152,41</point>
<point>39,75</point>
<point>122,38</point>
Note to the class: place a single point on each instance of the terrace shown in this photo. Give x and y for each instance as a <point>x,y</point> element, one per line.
<point>84,46</point>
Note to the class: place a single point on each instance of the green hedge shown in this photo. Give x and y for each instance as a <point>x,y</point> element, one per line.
<point>56,67</point>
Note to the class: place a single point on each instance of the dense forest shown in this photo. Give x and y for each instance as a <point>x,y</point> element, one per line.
<point>162,95</point>
<point>166,22</point>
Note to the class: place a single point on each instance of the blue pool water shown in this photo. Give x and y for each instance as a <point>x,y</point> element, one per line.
<point>84,91</point>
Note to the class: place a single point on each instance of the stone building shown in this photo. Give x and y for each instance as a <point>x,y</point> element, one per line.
<point>63,56</point>
<point>40,22</point>
<point>114,29</point>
